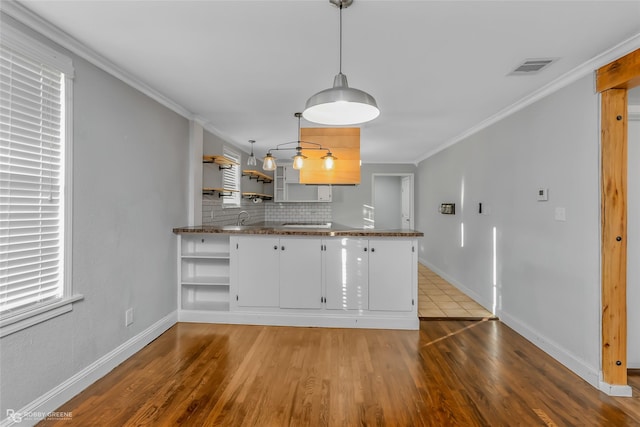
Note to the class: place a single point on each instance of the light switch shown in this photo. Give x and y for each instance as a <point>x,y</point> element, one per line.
<point>561,214</point>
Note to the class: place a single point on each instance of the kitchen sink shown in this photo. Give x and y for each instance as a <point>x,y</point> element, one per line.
<point>307,225</point>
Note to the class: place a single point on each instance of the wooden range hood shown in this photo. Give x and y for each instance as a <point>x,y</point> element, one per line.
<point>344,143</point>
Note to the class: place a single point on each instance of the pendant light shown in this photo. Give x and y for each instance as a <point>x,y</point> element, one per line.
<point>269,162</point>
<point>329,160</point>
<point>341,105</point>
<point>251,161</point>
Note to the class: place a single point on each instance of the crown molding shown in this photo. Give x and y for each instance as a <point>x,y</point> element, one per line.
<point>25,16</point>
<point>619,50</point>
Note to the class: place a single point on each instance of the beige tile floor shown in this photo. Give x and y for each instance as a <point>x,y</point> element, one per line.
<point>438,298</point>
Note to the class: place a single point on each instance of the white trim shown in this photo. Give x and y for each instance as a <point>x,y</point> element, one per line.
<point>53,33</point>
<point>621,49</point>
<point>196,138</point>
<point>55,397</point>
<point>570,361</point>
<point>615,390</point>
<point>28,46</point>
<point>633,112</point>
<point>301,319</point>
<point>67,206</point>
<point>10,325</point>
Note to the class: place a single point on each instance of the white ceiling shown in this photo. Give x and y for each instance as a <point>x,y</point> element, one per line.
<point>436,68</point>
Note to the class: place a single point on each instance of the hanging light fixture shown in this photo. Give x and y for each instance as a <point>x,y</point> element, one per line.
<point>328,161</point>
<point>251,161</point>
<point>269,162</point>
<point>341,104</point>
<point>298,159</point>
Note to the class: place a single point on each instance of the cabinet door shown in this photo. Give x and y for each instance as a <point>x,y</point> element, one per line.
<point>279,185</point>
<point>291,175</point>
<point>391,275</point>
<point>347,274</point>
<point>300,273</point>
<point>258,274</point>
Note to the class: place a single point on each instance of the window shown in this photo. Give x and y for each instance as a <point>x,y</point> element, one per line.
<point>35,85</point>
<point>231,180</point>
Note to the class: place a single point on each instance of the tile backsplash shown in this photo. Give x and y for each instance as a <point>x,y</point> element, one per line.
<point>302,212</point>
<point>214,214</point>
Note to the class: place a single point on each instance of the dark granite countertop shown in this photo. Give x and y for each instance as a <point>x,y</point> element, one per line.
<point>277,228</point>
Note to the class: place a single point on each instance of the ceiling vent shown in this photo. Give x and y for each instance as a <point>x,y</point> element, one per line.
<point>532,66</point>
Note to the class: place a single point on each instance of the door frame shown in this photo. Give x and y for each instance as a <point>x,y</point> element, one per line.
<point>411,191</point>
<point>612,83</point>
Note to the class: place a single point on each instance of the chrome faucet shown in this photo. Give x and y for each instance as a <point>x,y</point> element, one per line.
<point>241,221</point>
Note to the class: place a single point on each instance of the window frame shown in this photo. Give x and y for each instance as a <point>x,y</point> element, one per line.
<point>233,200</point>
<point>22,318</point>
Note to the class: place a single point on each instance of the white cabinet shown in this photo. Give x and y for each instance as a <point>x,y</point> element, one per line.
<point>288,188</point>
<point>346,274</point>
<point>277,272</point>
<point>300,268</point>
<point>391,275</point>
<point>255,263</point>
<point>301,280</point>
<point>204,275</point>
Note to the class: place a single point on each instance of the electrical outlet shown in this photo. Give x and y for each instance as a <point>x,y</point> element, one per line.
<point>128,317</point>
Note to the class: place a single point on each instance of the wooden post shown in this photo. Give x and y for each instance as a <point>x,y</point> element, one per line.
<point>614,236</point>
<point>613,81</point>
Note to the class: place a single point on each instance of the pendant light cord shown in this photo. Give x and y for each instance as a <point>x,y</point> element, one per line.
<point>340,66</point>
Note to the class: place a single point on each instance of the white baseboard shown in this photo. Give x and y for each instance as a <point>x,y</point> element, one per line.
<point>54,398</point>
<point>615,390</point>
<point>409,322</point>
<point>579,367</point>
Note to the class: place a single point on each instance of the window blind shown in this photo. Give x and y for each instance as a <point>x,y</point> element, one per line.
<point>31,182</point>
<point>231,179</point>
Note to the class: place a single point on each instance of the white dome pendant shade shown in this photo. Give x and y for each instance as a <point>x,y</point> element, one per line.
<point>341,105</point>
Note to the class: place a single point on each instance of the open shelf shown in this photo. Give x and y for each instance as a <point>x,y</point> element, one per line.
<point>258,176</point>
<point>206,305</point>
<point>257,196</point>
<point>204,272</point>
<point>205,281</point>
<point>222,161</point>
<point>206,255</point>
<point>222,192</point>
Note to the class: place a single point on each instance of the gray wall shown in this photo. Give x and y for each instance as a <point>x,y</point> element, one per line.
<point>547,283</point>
<point>349,202</point>
<point>130,179</point>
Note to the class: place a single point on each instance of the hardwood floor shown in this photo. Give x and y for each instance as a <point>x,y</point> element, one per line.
<point>449,373</point>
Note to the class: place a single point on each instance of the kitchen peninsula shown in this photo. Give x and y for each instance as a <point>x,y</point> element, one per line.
<point>298,274</point>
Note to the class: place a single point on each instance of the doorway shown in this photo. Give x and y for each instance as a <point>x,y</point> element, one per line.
<point>392,200</point>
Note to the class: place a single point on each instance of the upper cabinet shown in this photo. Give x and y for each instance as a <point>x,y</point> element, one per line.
<point>289,189</point>
<point>344,143</point>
